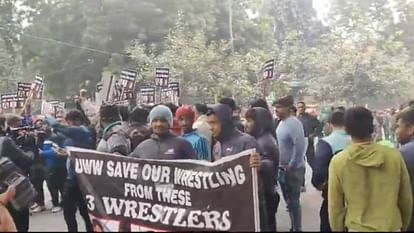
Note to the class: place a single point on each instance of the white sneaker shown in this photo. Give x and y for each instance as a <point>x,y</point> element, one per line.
<point>34,206</point>
<point>56,209</point>
<point>38,209</point>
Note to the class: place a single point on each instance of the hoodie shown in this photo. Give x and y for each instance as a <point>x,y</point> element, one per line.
<point>231,141</point>
<point>115,140</point>
<point>267,144</point>
<point>369,189</point>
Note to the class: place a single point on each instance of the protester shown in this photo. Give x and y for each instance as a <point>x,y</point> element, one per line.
<point>201,124</point>
<point>291,140</point>
<point>326,148</point>
<point>6,221</point>
<point>138,129</point>
<point>368,186</point>
<point>175,128</point>
<point>260,125</point>
<point>114,140</point>
<point>163,144</point>
<point>236,113</point>
<point>186,116</point>
<point>56,174</point>
<point>230,141</point>
<point>78,135</point>
<point>405,133</point>
<point>312,128</point>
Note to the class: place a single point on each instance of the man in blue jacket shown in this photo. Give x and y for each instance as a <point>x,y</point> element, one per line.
<point>326,148</point>
<point>78,135</point>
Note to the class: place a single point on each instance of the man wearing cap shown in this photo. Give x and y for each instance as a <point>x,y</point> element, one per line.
<point>163,144</point>
<point>186,116</point>
<point>291,140</point>
<point>114,139</point>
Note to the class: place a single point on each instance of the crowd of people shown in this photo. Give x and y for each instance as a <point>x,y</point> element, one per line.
<point>365,185</point>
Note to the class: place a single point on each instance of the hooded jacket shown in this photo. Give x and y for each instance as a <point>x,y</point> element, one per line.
<point>369,189</point>
<point>231,141</point>
<point>167,147</point>
<point>115,140</point>
<point>267,145</point>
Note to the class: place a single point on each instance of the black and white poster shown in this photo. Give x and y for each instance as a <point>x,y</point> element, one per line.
<point>37,88</point>
<point>127,83</point>
<point>126,194</point>
<point>23,89</point>
<point>11,101</point>
<point>268,69</point>
<point>147,95</point>
<point>174,88</point>
<point>162,76</point>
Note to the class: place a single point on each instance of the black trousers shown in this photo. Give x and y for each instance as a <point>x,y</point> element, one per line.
<point>272,204</point>
<point>323,213</point>
<point>20,218</point>
<point>73,200</point>
<point>55,183</point>
<point>310,153</point>
<point>38,186</point>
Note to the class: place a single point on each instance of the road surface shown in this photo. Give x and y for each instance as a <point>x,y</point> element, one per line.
<point>311,201</point>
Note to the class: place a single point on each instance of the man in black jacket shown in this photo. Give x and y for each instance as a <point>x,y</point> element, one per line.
<point>260,125</point>
<point>236,112</point>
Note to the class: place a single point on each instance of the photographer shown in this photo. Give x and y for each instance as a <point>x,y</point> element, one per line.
<point>25,138</point>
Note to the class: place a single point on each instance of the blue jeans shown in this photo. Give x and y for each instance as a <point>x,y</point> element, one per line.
<point>290,184</point>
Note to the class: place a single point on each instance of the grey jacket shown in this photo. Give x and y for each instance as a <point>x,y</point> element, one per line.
<point>407,151</point>
<point>169,147</point>
<point>231,141</point>
<point>115,140</point>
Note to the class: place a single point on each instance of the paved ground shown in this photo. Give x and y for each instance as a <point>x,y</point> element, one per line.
<point>311,200</point>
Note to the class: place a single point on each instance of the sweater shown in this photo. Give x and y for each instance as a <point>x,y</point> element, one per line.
<point>291,140</point>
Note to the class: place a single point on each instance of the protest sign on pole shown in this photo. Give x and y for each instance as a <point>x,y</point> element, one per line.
<point>127,83</point>
<point>130,194</point>
<point>147,95</point>
<point>37,88</point>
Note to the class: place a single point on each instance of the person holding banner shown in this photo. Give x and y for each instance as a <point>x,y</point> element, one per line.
<point>260,125</point>
<point>163,144</point>
<point>186,116</point>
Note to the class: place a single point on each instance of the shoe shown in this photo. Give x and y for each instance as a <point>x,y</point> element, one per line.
<point>34,206</point>
<point>38,209</point>
<point>56,209</point>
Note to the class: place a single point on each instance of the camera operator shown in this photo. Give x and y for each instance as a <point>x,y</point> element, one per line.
<point>25,138</point>
<point>22,161</point>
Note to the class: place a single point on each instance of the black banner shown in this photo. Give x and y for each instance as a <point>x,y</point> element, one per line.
<point>162,76</point>
<point>268,69</point>
<point>147,94</point>
<point>129,194</point>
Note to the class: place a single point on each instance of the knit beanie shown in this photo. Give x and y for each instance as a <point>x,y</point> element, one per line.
<point>109,113</point>
<point>185,111</point>
<point>162,112</point>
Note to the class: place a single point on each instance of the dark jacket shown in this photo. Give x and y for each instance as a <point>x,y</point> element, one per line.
<point>23,160</point>
<point>267,146</point>
<point>407,151</point>
<point>238,124</point>
<point>311,125</point>
<point>231,141</point>
<point>168,147</point>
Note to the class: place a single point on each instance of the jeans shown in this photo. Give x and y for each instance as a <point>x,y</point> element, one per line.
<point>290,183</point>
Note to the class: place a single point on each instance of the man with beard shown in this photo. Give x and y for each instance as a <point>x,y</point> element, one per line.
<point>260,125</point>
